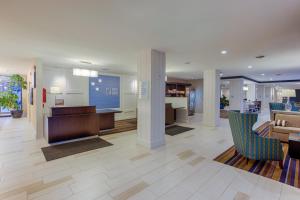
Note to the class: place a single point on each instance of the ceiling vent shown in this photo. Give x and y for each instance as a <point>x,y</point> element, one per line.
<point>260,56</point>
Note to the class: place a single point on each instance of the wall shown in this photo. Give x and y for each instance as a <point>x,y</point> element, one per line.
<point>236,94</point>
<point>35,111</point>
<point>75,90</point>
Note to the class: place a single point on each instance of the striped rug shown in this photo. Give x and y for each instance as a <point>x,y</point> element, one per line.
<point>289,174</point>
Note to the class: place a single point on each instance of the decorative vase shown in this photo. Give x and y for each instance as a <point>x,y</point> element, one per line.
<point>16,113</point>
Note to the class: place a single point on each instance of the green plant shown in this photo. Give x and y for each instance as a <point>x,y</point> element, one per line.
<point>9,100</point>
<point>17,81</point>
<point>224,101</point>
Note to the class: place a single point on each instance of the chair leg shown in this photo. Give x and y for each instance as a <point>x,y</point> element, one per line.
<point>247,159</point>
<point>281,164</point>
<point>235,152</point>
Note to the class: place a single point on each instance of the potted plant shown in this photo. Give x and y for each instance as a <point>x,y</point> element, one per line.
<point>224,102</point>
<point>9,98</point>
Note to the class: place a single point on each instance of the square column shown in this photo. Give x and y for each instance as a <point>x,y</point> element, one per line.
<point>211,98</point>
<point>151,99</point>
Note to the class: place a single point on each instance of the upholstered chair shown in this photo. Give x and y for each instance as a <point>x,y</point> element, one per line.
<point>248,143</point>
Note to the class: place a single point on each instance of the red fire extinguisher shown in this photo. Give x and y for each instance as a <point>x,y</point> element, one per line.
<point>44,96</point>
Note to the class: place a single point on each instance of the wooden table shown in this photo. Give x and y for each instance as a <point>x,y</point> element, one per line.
<point>294,145</point>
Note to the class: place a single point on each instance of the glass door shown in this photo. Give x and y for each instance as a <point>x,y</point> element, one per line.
<point>4,84</point>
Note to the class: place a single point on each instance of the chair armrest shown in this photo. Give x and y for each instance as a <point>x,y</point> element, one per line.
<point>272,149</point>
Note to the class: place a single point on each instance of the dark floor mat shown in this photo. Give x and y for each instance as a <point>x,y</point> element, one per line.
<point>68,149</point>
<point>175,130</point>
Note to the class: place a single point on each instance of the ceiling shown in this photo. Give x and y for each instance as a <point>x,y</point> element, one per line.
<point>111,33</point>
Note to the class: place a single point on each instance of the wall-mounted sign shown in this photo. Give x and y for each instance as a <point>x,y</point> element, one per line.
<point>104,91</point>
<point>143,89</point>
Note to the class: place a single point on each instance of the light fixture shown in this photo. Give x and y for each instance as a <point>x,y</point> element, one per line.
<point>97,89</point>
<point>187,63</point>
<point>271,79</point>
<point>245,88</point>
<point>166,78</point>
<point>262,74</point>
<point>100,80</point>
<point>134,86</point>
<point>221,74</point>
<point>85,72</point>
<point>92,83</point>
<point>224,52</point>
<point>250,67</point>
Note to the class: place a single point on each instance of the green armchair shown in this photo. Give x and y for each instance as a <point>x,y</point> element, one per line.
<point>248,143</point>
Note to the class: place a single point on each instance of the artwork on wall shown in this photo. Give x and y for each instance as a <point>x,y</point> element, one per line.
<point>104,91</point>
<point>31,96</point>
<point>34,77</point>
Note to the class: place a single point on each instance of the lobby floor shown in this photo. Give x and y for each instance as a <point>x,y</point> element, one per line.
<point>182,169</point>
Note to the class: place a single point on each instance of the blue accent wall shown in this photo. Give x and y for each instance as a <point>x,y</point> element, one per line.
<point>104,91</point>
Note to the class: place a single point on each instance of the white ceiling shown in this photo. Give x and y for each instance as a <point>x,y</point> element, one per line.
<point>111,33</point>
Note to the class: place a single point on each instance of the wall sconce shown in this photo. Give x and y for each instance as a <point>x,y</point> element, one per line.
<point>134,86</point>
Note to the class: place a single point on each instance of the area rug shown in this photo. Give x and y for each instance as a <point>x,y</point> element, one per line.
<point>68,149</point>
<point>290,174</point>
<point>175,130</point>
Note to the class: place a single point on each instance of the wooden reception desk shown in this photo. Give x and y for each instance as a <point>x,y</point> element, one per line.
<point>68,123</point>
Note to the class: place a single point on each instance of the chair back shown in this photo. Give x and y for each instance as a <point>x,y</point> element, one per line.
<point>241,128</point>
<point>276,106</point>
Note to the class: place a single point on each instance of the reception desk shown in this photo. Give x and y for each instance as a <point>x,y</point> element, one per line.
<point>68,123</point>
<point>106,118</point>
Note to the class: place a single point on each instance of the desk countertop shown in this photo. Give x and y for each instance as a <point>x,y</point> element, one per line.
<point>104,111</point>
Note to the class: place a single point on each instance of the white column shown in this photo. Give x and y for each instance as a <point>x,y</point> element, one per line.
<point>211,100</point>
<point>151,98</point>
<point>39,100</point>
<point>236,94</point>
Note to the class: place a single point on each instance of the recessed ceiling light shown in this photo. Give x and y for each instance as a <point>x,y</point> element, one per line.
<point>221,74</point>
<point>224,52</point>
<point>271,79</point>
<point>187,63</point>
<point>262,74</point>
<point>250,67</point>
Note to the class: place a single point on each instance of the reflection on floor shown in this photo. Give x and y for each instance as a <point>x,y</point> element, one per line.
<point>121,126</point>
<point>182,169</point>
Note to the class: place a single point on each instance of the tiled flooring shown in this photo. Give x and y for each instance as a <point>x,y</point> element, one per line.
<point>183,169</point>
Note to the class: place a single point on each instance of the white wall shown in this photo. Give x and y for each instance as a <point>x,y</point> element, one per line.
<point>75,90</point>
<point>35,111</point>
<point>236,94</point>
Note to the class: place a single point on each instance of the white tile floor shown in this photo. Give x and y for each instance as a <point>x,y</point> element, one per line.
<point>182,169</point>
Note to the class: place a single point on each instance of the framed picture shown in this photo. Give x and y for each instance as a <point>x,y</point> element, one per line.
<point>31,96</point>
<point>34,77</point>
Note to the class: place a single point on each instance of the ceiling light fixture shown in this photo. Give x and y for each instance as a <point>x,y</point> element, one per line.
<point>86,62</point>
<point>262,74</point>
<point>224,52</point>
<point>250,67</point>
<point>187,63</point>
<point>221,74</point>
<point>85,72</point>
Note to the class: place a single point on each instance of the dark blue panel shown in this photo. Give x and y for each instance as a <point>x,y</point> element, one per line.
<point>104,91</point>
